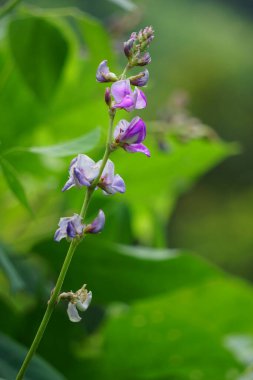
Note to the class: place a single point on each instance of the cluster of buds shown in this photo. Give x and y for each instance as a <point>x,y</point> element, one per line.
<point>135,48</point>
<point>85,172</point>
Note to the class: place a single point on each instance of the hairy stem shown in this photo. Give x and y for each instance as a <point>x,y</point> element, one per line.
<point>56,292</point>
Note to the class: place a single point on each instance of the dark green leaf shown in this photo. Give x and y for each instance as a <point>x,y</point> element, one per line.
<point>183,335</point>
<point>11,272</point>
<point>12,355</point>
<point>40,51</point>
<point>14,184</point>
<point>139,272</point>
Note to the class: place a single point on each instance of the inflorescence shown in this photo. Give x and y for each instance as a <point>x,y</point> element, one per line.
<point>93,175</point>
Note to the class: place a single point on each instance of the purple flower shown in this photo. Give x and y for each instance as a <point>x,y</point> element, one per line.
<point>126,98</point>
<point>82,172</point>
<point>103,73</point>
<point>140,79</point>
<point>97,225</point>
<point>110,183</point>
<point>130,136</point>
<point>69,227</point>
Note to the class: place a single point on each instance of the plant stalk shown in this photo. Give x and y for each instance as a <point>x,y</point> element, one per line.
<point>73,245</point>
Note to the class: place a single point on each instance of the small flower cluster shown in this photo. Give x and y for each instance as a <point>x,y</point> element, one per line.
<point>83,171</point>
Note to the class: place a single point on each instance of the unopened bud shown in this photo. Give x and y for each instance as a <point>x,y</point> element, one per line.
<point>141,79</point>
<point>108,98</point>
<point>103,73</point>
<point>144,60</point>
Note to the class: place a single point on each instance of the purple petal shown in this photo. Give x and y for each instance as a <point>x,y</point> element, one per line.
<point>134,148</point>
<point>102,71</point>
<point>97,225</point>
<point>142,81</point>
<point>120,129</point>
<point>108,173</point>
<point>120,90</point>
<point>141,101</point>
<point>59,235</point>
<point>80,179</point>
<point>118,184</point>
<point>70,183</point>
<point>128,103</point>
<point>135,133</point>
<point>71,232</point>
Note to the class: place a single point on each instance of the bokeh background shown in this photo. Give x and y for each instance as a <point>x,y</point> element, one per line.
<point>171,273</point>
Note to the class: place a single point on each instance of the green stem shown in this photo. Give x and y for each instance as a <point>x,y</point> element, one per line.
<point>49,310</point>
<point>6,8</point>
<point>123,75</point>
<point>56,292</point>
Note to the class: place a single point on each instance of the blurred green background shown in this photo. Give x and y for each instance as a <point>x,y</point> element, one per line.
<point>171,273</point>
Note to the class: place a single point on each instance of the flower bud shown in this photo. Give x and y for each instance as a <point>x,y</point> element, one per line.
<point>103,73</point>
<point>97,225</point>
<point>129,44</point>
<point>141,79</point>
<point>144,60</point>
<point>108,98</point>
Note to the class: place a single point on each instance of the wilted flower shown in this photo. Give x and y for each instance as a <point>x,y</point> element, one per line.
<point>130,136</point>
<point>141,79</point>
<point>126,98</point>
<point>97,225</point>
<point>82,172</point>
<point>103,73</point>
<point>78,301</point>
<point>110,183</point>
<point>69,227</point>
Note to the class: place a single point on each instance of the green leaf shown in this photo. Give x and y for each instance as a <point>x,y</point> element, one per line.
<point>82,144</point>
<point>182,335</point>
<point>12,355</point>
<point>14,184</point>
<point>139,272</point>
<point>11,272</point>
<point>40,51</point>
<point>155,183</point>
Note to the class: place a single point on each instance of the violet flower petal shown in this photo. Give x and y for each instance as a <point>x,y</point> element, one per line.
<point>102,71</point>
<point>128,103</point>
<point>118,184</point>
<point>134,148</point>
<point>135,133</point>
<point>97,225</point>
<point>120,128</point>
<point>142,81</point>
<point>141,101</point>
<point>120,90</point>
